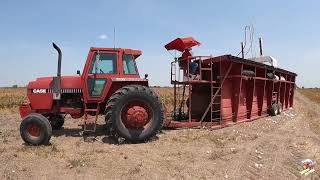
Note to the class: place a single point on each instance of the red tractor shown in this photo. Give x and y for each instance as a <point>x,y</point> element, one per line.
<point>109,84</point>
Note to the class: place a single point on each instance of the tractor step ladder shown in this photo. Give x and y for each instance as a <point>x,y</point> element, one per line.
<point>91,121</point>
<point>215,94</point>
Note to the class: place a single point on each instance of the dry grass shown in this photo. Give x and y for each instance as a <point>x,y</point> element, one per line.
<point>311,113</point>
<point>311,93</point>
<point>11,98</point>
<point>78,162</point>
<point>166,96</point>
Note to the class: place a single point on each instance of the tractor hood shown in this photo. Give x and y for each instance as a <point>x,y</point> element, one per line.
<point>67,82</point>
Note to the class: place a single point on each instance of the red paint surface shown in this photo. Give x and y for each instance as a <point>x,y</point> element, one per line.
<point>43,102</point>
<point>182,44</point>
<point>34,130</point>
<point>24,110</point>
<point>241,98</point>
<point>135,115</point>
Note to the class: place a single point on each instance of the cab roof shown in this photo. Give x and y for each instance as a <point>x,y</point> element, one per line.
<point>134,52</point>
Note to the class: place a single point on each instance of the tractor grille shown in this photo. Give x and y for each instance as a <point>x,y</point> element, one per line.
<point>64,91</point>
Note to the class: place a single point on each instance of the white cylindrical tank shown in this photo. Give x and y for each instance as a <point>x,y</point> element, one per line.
<point>269,60</point>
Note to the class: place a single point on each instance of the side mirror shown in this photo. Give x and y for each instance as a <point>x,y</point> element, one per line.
<point>146,76</point>
<point>78,72</point>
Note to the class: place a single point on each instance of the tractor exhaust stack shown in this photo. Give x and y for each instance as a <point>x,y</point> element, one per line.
<point>59,59</point>
<point>56,86</point>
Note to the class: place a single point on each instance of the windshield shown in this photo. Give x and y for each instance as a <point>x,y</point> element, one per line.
<point>104,63</point>
<point>129,65</point>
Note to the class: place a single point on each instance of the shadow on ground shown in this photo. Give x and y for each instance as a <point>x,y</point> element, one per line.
<point>100,133</point>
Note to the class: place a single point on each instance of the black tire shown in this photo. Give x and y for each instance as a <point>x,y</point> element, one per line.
<point>43,129</point>
<point>274,110</point>
<point>56,121</point>
<point>279,108</point>
<point>270,76</point>
<point>248,73</point>
<point>117,105</point>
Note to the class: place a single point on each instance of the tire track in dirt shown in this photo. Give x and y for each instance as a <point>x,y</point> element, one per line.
<point>280,148</point>
<point>277,143</point>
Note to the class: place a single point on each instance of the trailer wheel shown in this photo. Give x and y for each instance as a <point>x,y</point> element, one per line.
<point>279,108</point>
<point>35,129</point>
<point>249,73</point>
<point>135,113</point>
<point>56,121</point>
<point>274,110</point>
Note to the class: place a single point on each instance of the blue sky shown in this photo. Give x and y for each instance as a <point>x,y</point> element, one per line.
<point>290,30</point>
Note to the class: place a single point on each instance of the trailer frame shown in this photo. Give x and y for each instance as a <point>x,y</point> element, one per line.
<point>235,96</point>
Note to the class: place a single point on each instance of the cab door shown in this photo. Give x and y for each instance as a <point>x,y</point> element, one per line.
<point>100,70</point>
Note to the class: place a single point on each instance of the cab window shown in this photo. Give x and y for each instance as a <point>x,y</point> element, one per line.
<point>129,65</point>
<point>104,63</point>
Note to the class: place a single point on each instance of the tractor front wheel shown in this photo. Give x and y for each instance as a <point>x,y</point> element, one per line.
<point>35,129</point>
<point>135,113</point>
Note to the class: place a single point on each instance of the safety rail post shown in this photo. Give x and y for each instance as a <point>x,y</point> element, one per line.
<point>211,86</point>
<point>285,91</point>
<point>173,71</point>
<point>253,91</point>
<point>200,68</point>
<point>239,95</point>
<point>273,89</point>
<point>174,101</point>
<point>279,89</point>
<point>264,90</point>
<point>220,74</point>
<point>189,89</point>
<point>173,64</point>
<point>286,97</point>
<point>188,67</point>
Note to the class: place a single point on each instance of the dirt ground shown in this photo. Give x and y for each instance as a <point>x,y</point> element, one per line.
<point>268,148</point>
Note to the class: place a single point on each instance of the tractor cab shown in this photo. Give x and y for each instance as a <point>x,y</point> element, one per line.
<point>106,65</point>
<point>112,61</point>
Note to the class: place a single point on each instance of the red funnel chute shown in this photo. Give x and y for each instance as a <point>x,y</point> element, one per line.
<point>182,44</point>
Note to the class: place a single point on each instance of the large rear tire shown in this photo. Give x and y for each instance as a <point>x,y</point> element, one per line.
<point>134,112</point>
<point>35,129</point>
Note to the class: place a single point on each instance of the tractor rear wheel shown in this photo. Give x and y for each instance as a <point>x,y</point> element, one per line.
<point>56,121</point>
<point>134,112</point>
<point>35,129</point>
<point>274,110</point>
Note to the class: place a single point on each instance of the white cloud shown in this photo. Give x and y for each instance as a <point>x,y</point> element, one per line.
<point>103,37</point>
